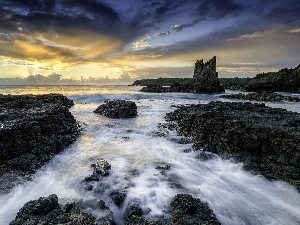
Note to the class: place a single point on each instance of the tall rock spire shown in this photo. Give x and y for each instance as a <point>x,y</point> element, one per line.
<point>205,74</point>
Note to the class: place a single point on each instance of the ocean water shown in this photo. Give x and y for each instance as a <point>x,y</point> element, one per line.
<point>133,149</point>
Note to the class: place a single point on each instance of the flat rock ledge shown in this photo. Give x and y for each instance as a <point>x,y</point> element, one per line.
<point>118,109</point>
<point>266,140</point>
<point>262,96</point>
<point>33,128</point>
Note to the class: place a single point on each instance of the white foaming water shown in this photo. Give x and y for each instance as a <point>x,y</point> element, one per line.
<point>133,150</point>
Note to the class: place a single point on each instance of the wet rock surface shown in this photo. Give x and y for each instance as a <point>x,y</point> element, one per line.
<point>46,210</point>
<point>118,109</point>
<point>33,128</point>
<point>183,209</point>
<point>101,168</point>
<point>118,196</point>
<point>188,210</point>
<point>266,140</point>
<point>262,96</point>
<point>134,215</point>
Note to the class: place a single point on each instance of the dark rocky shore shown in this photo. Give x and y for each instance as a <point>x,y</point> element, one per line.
<point>284,80</point>
<point>46,210</point>
<point>262,96</point>
<point>183,208</point>
<point>205,80</point>
<point>33,128</point>
<point>265,139</point>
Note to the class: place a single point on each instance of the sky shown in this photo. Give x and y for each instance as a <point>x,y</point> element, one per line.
<point>137,39</point>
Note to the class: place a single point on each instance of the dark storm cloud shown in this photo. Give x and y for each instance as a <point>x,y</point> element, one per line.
<point>53,15</point>
<point>57,15</point>
<point>217,9</point>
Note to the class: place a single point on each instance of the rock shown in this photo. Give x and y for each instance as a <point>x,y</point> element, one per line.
<point>118,196</point>
<point>162,166</point>
<point>155,88</point>
<point>33,128</point>
<point>46,210</point>
<point>205,80</point>
<point>134,216</point>
<point>183,209</point>
<point>266,140</point>
<point>118,109</point>
<point>188,210</point>
<point>93,177</point>
<point>205,73</point>
<point>102,168</point>
<point>204,156</point>
<point>262,96</point>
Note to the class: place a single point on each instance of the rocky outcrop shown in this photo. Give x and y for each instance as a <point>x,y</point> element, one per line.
<point>262,96</point>
<point>205,74</point>
<point>118,109</point>
<point>33,128</point>
<point>266,140</point>
<point>46,210</point>
<point>205,80</point>
<point>183,209</point>
<point>188,210</point>
<point>134,215</point>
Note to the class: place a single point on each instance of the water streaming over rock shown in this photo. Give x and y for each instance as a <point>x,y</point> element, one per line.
<point>134,147</point>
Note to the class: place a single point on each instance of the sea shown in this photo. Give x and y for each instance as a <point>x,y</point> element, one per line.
<point>133,149</point>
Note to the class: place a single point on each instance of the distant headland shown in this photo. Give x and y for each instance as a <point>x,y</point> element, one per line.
<point>205,80</point>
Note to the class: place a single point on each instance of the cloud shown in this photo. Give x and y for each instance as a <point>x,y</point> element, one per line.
<point>71,48</point>
<point>141,44</point>
<point>217,9</point>
<point>180,27</point>
<point>162,71</point>
<point>247,36</point>
<point>162,34</point>
<point>55,15</point>
<point>297,30</point>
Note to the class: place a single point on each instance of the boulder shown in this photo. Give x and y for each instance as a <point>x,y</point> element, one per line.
<point>118,109</point>
<point>188,210</point>
<point>134,215</point>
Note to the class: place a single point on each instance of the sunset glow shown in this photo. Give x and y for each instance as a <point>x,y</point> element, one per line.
<point>149,39</point>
